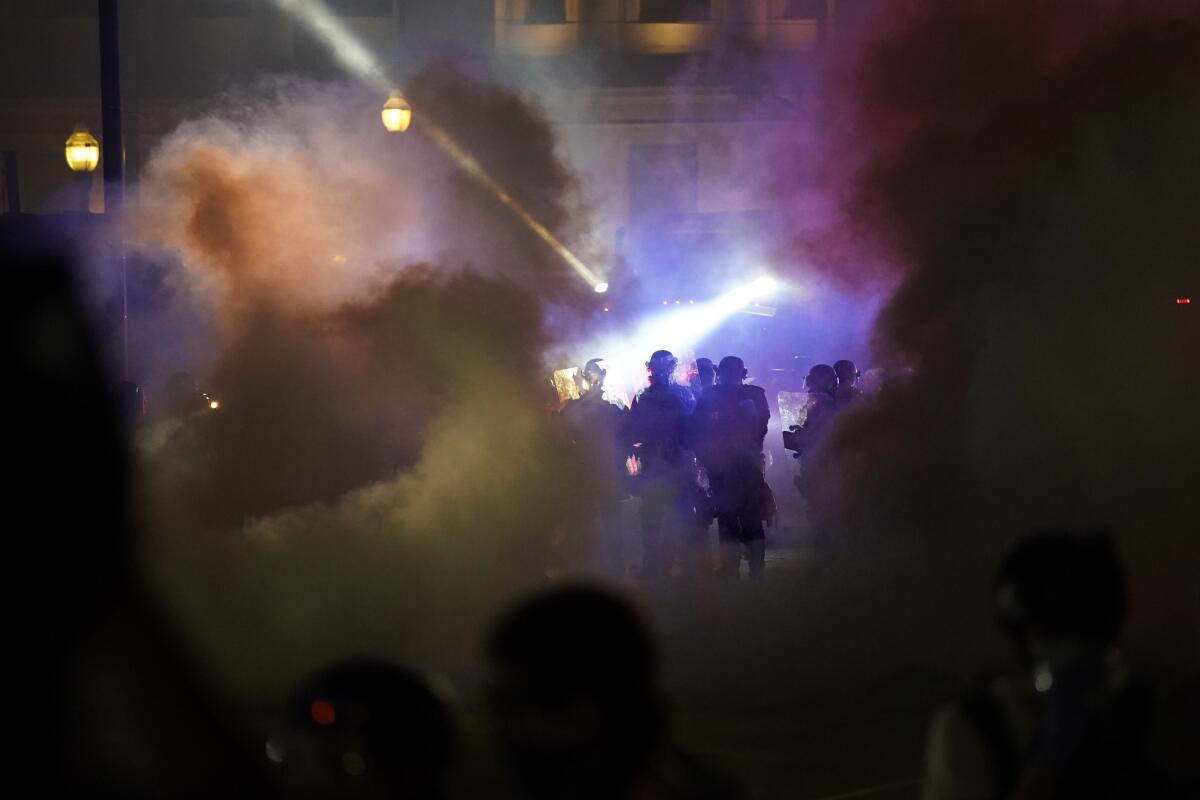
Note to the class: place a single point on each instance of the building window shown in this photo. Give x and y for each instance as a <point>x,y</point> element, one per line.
<point>546,12</point>
<point>674,11</point>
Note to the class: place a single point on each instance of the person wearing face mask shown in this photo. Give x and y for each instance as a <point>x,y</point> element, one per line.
<point>1072,721</point>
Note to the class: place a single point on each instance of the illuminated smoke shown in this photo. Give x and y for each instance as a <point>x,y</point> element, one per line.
<point>676,328</point>
<point>357,60</point>
<point>1027,171</point>
<point>381,440</point>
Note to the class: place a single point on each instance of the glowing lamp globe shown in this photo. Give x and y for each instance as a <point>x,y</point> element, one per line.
<point>82,150</point>
<point>396,114</point>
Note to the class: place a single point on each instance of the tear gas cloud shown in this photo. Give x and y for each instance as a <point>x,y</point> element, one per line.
<point>381,448</point>
<point>1028,175</point>
<point>1017,183</point>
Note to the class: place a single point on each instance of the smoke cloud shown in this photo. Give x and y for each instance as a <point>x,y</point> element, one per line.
<point>381,469</point>
<point>1028,173</point>
<point>1018,182</point>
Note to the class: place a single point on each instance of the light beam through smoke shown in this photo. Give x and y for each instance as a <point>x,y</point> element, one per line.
<point>677,329</point>
<point>359,61</point>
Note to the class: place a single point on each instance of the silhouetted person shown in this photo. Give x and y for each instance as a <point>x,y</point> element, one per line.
<point>821,383</point>
<point>1072,723</point>
<point>706,376</point>
<point>657,432</point>
<point>596,428</point>
<point>103,701</point>
<point>696,559</point>
<point>730,423</point>
<point>577,706</point>
<point>847,389</point>
<point>366,729</point>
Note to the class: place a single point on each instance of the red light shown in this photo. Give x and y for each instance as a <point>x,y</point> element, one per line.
<point>1183,301</point>
<point>322,712</point>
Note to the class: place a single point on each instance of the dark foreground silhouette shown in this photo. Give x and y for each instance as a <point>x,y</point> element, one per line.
<point>102,699</point>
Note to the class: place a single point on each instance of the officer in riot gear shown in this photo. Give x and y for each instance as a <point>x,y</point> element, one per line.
<point>729,425</point>
<point>705,377</point>
<point>657,434</point>
<point>848,389</point>
<point>805,440</point>
<point>696,560</point>
<point>596,427</point>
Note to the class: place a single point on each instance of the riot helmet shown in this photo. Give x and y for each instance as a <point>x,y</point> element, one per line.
<point>821,378</point>
<point>661,366</point>
<point>731,371</point>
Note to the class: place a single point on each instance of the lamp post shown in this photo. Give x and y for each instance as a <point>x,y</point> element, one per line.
<point>82,150</point>
<point>114,150</point>
<point>396,113</point>
<point>110,104</point>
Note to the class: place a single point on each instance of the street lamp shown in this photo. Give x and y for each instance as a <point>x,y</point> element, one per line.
<point>82,150</point>
<point>396,113</point>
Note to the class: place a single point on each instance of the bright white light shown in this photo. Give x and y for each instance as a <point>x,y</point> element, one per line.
<point>601,288</point>
<point>764,286</point>
<point>675,328</point>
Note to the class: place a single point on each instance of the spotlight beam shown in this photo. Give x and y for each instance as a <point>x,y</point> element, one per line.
<point>678,329</point>
<point>473,168</point>
<point>349,51</point>
<point>360,62</point>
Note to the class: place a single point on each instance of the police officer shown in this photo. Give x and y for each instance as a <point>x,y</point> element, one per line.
<point>729,425</point>
<point>821,383</point>
<point>696,561</point>
<point>596,427</point>
<point>847,388</point>
<point>705,377</point>
<point>657,433</point>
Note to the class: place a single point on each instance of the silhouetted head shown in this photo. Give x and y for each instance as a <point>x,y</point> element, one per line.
<point>821,378</point>
<point>706,372</point>
<point>661,366</point>
<point>368,729</point>
<point>574,692</point>
<point>593,375</point>
<point>1058,587</point>
<point>732,371</point>
<point>847,373</point>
